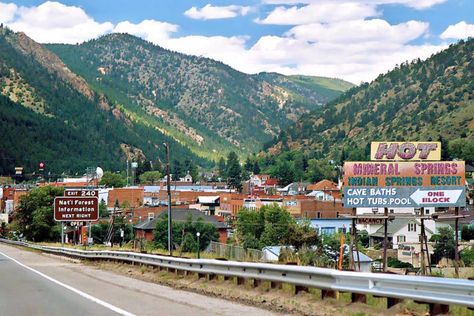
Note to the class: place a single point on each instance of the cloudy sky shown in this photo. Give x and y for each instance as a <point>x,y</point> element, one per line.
<point>350,39</point>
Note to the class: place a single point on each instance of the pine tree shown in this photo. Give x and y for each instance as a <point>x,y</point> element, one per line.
<point>234,172</point>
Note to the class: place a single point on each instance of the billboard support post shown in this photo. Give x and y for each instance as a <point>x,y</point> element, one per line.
<point>385,239</point>
<point>422,240</point>
<point>456,243</point>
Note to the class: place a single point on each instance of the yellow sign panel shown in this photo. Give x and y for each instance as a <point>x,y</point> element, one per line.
<point>423,151</point>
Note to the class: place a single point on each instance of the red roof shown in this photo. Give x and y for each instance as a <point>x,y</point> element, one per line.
<point>322,185</point>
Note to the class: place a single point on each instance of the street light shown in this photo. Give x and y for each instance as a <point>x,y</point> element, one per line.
<point>199,246</point>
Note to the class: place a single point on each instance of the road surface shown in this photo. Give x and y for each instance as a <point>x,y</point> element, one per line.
<point>37,284</point>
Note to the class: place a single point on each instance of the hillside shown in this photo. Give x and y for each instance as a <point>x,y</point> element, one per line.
<point>200,102</point>
<point>420,100</point>
<point>48,113</point>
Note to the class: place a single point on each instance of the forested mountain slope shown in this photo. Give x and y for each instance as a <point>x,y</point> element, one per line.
<point>48,113</point>
<point>203,103</point>
<point>420,100</point>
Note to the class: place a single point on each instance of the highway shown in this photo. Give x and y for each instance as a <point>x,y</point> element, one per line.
<point>35,284</point>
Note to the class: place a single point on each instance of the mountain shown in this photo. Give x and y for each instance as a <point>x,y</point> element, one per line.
<point>202,103</point>
<point>49,113</point>
<point>420,100</point>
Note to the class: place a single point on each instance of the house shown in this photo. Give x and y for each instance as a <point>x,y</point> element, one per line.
<point>294,188</point>
<point>404,230</point>
<point>187,178</point>
<point>329,226</point>
<point>324,190</point>
<point>145,229</point>
<point>364,260</point>
<point>210,205</point>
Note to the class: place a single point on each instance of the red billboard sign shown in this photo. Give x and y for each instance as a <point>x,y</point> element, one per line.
<point>76,209</point>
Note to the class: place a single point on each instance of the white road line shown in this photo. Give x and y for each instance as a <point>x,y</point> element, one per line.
<point>85,295</point>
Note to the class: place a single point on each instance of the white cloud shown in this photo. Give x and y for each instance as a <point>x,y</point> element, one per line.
<point>324,12</point>
<point>332,38</point>
<point>460,30</point>
<point>417,4</point>
<point>357,31</point>
<point>7,12</point>
<point>209,12</point>
<point>54,22</point>
<point>150,30</point>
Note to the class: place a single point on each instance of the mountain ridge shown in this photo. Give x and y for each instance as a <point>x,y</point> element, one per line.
<point>199,101</point>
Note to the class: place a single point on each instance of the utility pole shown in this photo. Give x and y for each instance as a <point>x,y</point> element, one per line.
<point>170,228</point>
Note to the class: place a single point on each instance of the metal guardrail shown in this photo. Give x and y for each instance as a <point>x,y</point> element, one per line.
<point>435,290</point>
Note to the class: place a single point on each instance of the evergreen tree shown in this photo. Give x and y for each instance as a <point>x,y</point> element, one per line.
<point>234,172</point>
<point>222,168</point>
<point>256,167</point>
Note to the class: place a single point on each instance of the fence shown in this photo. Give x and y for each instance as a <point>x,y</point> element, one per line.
<point>235,253</point>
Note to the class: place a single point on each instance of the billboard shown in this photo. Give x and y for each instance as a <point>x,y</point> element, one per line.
<point>405,151</point>
<point>72,208</point>
<point>441,196</point>
<point>403,174</point>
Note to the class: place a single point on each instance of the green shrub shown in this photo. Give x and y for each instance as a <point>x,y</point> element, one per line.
<point>467,256</point>
<point>395,263</point>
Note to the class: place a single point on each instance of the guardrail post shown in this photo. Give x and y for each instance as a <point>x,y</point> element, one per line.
<point>438,309</point>
<point>392,301</point>
<point>257,282</point>
<point>275,285</point>
<point>201,275</point>
<point>300,288</point>
<point>328,294</point>
<point>358,298</point>
<point>240,281</point>
<point>212,276</point>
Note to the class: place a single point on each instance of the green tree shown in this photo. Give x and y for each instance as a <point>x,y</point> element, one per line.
<point>321,169</point>
<point>277,221</point>
<point>270,226</point>
<point>103,212</point>
<point>467,232</point>
<point>34,217</point>
<point>444,243</point>
<point>248,166</point>
<point>222,168</point>
<point>284,172</point>
<point>302,235</point>
<point>234,172</point>
<point>462,148</point>
<point>150,177</point>
<point>249,227</point>
<point>184,233</point>
<point>256,167</point>
<point>111,179</point>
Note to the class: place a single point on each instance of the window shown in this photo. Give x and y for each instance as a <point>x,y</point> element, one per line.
<point>412,227</point>
<point>392,211</point>
<point>401,238</point>
<point>427,211</point>
<point>319,214</point>
<point>151,216</point>
<point>337,214</point>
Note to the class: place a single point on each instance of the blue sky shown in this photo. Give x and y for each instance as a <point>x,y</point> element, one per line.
<point>350,39</point>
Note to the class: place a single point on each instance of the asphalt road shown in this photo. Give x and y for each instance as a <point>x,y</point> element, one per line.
<point>37,284</point>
